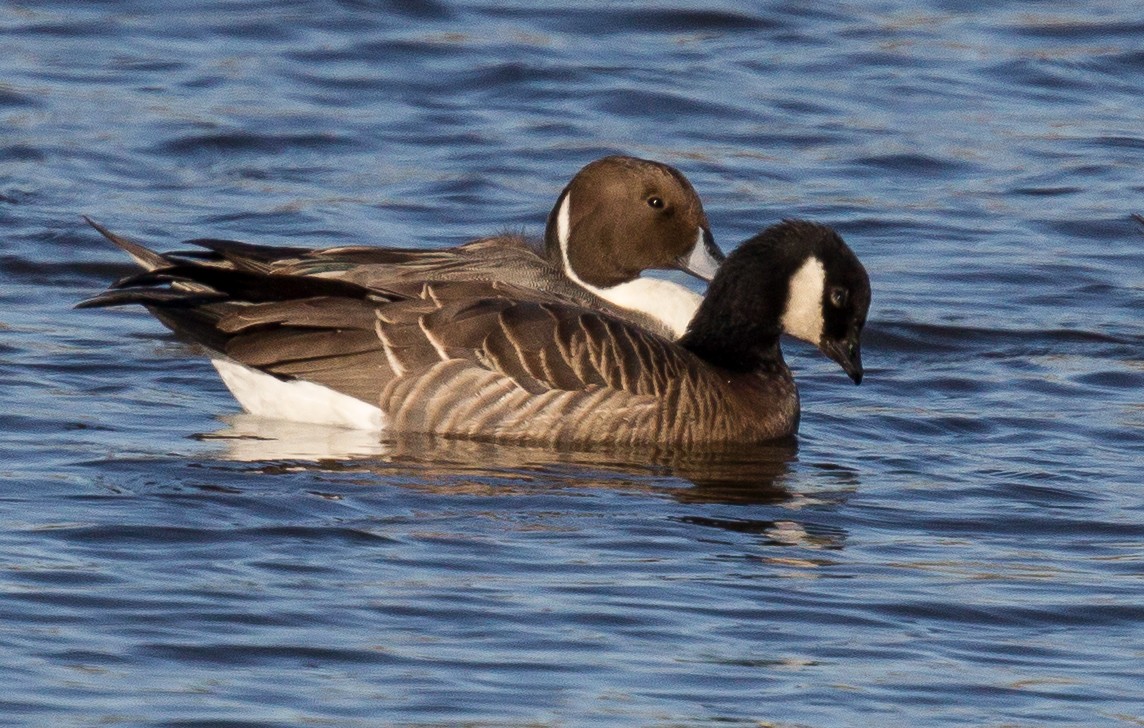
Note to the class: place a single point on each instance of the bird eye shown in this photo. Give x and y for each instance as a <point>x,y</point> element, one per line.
<point>656,202</point>
<point>838,296</point>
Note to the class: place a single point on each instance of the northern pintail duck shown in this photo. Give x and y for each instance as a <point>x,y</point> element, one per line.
<point>616,218</point>
<point>501,362</point>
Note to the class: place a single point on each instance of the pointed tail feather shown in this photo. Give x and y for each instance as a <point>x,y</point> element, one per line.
<point>166,298</point>
<point>245,256</point>
<point>146,258</point>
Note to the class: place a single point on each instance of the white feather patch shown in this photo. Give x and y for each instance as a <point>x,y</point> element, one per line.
<point>667,302</point>
<point>296,400</point>
<point>802,318</point>
<point>564,226</point>
<point>700,262</point>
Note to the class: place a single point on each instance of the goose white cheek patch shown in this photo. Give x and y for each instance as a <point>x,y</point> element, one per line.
<point>802,318</point>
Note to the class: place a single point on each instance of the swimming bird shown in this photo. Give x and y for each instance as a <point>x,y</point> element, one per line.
<point>497,361</point>
<point>616,218</point>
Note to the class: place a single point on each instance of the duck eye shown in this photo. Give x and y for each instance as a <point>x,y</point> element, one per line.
<point>838,296</point>
<point>656,202</point>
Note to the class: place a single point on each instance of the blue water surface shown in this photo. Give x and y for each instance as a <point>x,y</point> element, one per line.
<point>957,542</point>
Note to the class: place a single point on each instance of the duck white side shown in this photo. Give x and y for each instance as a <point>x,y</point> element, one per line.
<point>668,302</point>
<point>296,400</point>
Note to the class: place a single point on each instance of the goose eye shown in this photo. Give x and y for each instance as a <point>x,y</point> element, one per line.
<point>838,297</point>
<point>656,202</point>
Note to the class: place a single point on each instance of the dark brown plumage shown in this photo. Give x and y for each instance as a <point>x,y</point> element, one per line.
<point>615,235</point>
<point>496,361</point>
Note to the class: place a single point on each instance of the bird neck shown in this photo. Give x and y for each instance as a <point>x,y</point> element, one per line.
<point>721,335</point>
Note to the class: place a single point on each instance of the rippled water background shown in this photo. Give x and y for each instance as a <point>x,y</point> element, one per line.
<point>959,541</point>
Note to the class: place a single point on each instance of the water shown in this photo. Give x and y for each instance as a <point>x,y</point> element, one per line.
<point>959,541</point>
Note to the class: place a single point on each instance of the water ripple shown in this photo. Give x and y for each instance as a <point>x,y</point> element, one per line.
<point>955,541</point>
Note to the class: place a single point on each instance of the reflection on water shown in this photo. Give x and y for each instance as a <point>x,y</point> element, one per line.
<point>247,438</point>
<point>783,532</point>
<point>451,467</point>
<point>743,475</point>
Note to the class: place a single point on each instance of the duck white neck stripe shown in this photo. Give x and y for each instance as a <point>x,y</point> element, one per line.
<point>564,225</point>
<point>667,302</point>
<point>564,235</point>
<point>803,315</point>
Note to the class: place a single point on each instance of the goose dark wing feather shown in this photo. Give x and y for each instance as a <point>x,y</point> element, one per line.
<point>461,325</point>
<point>311,313</point>
<point>532,331</point>
<point>247,256</point>
<point>556,346</point>
<point>498,354</point>
<point>269,350</point>
<point>330,341</point>
<point>350,362</point>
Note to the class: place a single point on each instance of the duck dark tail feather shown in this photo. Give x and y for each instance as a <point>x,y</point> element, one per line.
<point>157,297</point>
<point>246,255</point>
<point>239,285</point>
<point>145,257</point>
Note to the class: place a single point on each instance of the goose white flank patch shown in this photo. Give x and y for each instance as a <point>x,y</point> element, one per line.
<point>495,361</point>
<point>621,216</point>
<point>295,400</point>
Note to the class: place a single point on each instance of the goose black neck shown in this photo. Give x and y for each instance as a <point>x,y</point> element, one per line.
<point>722,338</point>
<point>737,326</point>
